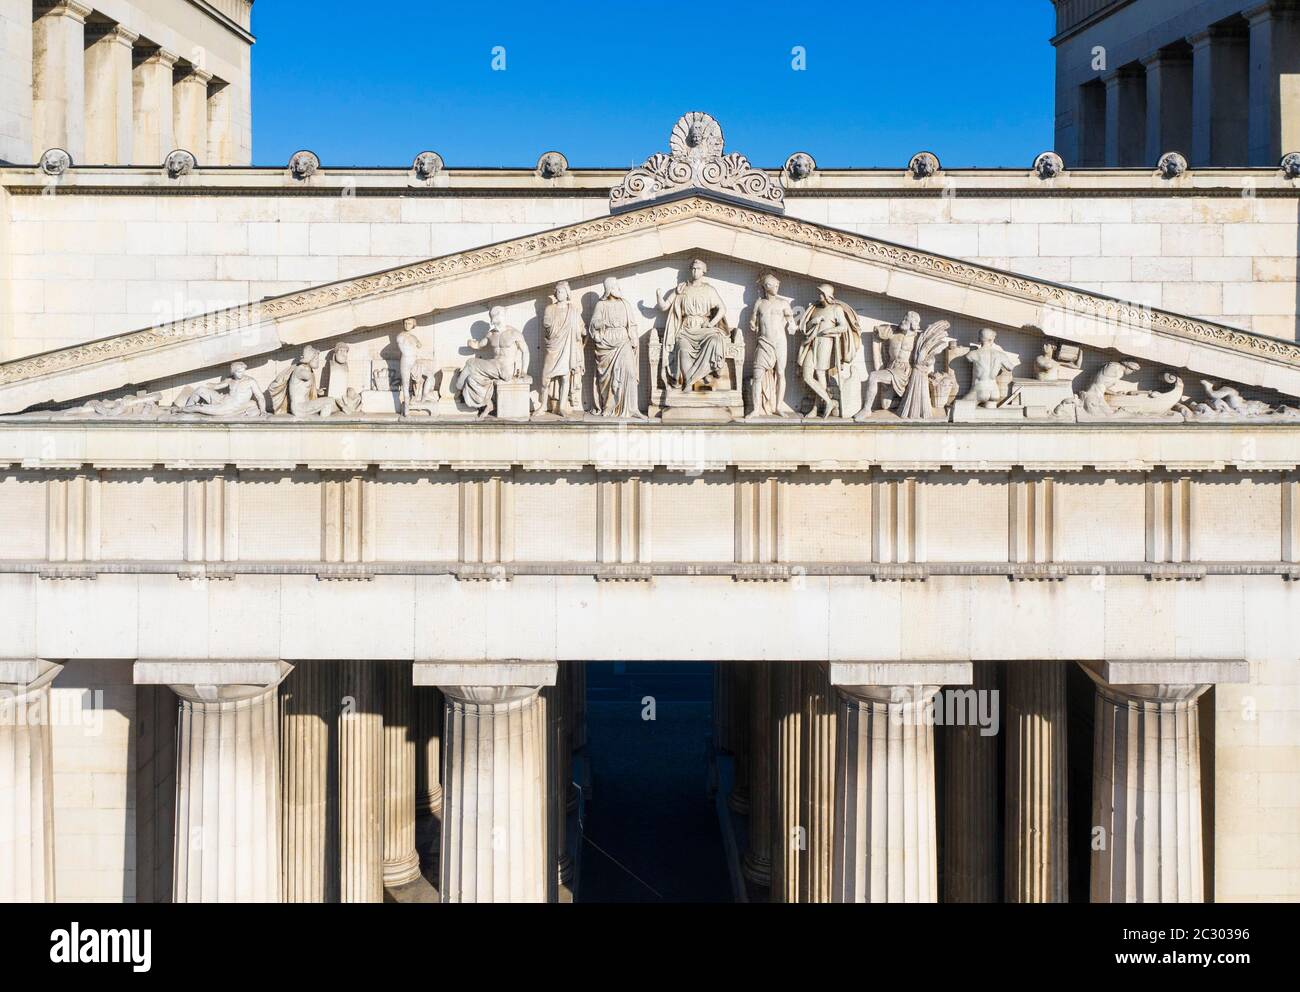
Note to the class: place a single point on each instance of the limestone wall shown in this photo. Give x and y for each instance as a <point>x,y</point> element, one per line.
<point>88,260</point>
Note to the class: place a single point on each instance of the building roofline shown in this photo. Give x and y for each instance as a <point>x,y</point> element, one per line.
<point>226,21</point>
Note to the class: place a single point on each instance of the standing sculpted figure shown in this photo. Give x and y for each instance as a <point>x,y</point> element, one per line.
<point>505,358</point>
<point>563,339</point>
<point>773,320</point>
<point>294,390</point>
<point>893,368</point>
<point>988,360</point>
<point>618,361</point>
<point>831,340</point>
<point>918,401</point>
<point>410,369</point>
<point>237,396</point>
<point>696,335</point>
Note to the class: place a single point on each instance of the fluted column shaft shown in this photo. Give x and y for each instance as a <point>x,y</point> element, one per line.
<point>970,782</point>
<point>578,709</point>
<point>401,860</point>
<point>227,795</point>
<point>721,707</point>
<point>1146,794</point>
<point>59,77</point>
<point>494,795</point>
<point>758,855</point>
<point>309,832</point>
<point>428,772</point>
<point>27,790</point>
<point>559,771</point>
<point>805,784</point>
<point>361,783</point>
<point>1037,866</point>
<point>740,677</point>
<point>884,796</point>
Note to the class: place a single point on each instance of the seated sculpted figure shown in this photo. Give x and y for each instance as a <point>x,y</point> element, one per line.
<point>893,362</point>
<point>237,396</point>
<point>294,390</point>
<point>696,335</point>
<point>504,359</point>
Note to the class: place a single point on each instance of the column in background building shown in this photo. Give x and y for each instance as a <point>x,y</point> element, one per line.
<point>1220,78</point>
<point>361,783</point>
<point>758,853</point>
<point>58,78</point>
<point>1091,117</point>
<point>970,783</point>
<point>190,110</point>
<point>428,774</point>
<point>221,148</point>
<point>152,135</point>
<point>804,783</point>
<point>109,70</point>
<point>1037,868</point>
<point>1274,117</point>
<point>1126,114</point>
<point>309,707</point>
<point>1169,103</point>
<point>26,782</point>
<point>16,82</point>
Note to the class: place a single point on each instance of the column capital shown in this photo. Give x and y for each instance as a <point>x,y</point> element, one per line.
<point>514,673</point>
<point>1270,9</point>
<point>1162,681</point>
<point>111,32</point>
<point>63,8</point>
<point>1165,56</point>
<point>196,75</point>
<point>27,675</point>
<point>160,56</point>
<point>889,695</point>
<point>213,681</point>
<point>900,673</point>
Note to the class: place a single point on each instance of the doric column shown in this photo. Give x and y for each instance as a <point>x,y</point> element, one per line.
<point>805,784</point>
<point>970,784</point>
<point>190,111</point>
<point>428,773</point>
<point>109,85</point>
<point>1125,117</point>
<point>1220,76</point>
<point>26,782</point>
<point>885,836</point>
<point>153,135</point>
<point>1169,104</point>
<point>58,77</point>
<point>559,760</point>
<point>401,860</point>
<point>221,125</point>
<point>494,794</point>
<point>1037,869</point>
<point>884,796</point>
<point>1146,779</point>
<point>228,800</point>
<point>361,783</point>
<point>1274,115</point>
<point>309,705</point>
<point>578,688</point>
<point>758,853</point>
<point>740,676</point>
<point>721,708</point>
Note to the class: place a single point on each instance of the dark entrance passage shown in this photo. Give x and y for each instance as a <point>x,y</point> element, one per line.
<point>650,828</point>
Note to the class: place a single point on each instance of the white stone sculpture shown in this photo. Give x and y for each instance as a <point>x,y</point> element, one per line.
<point>799,167</point>
<point>892,362</point>
<point>989,361</point>
<point>615,339</point>
<point>140,404</point>
<point>917,402</point>
<point>1171,165</point>
<point>696,335</point>
<point>1112,394</point>
<point>552,165</point>
<point>426,166</point>
<point>832,338</point>
<point>563,338</point>
<point>504,362</point>
<point>1048,165</point>
<point>1060,363</point>
<point>303,165</point>
<point>179,163</point>
<point>773,321</point>
<point>923,165</point>
<point>236,397</point>
<point>696,162</point>
<point>55,162</point>
<point>1227,403</point>
<point>414,374</point>
<point>294,390</point>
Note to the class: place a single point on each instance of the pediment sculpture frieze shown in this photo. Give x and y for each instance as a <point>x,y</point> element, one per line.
<point>700,369</point>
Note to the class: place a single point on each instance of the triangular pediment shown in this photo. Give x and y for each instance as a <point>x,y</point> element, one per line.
<point>643,236</point>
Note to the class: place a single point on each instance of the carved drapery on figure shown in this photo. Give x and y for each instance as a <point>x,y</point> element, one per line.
<point>832,339</point>
<point>696,334</point>
<point>772,322</point>
<point>614,337</point>
<point>563,337</point>
<point>504,359</point>
<point>696,162</point>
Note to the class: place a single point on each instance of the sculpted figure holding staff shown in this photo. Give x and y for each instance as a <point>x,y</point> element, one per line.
<point>696,335</point>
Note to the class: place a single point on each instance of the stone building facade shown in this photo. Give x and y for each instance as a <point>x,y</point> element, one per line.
<point>1216,80</point>
<point>126,82</point>
<point>319,486</point>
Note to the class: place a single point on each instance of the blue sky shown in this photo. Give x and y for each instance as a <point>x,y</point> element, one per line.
<point>970,80</point>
